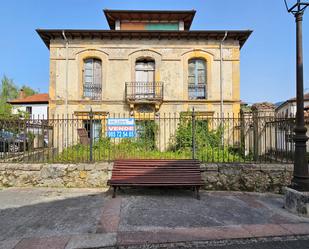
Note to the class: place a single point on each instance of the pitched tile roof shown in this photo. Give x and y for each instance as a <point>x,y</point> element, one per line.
<point>306,97</point>
<point>40,98</point>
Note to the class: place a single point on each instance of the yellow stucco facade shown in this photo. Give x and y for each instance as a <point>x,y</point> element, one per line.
<point>118,57</point>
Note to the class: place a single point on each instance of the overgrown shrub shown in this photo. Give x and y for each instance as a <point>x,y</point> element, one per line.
<point>204,137</point>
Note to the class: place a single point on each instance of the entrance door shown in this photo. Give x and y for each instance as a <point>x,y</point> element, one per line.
<point>144,76</point>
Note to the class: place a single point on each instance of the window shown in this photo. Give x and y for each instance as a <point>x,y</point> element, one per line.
<point>144,70</point>
<point>96,129</point>
<point>92,85</point>
<point>29,109</point>
<point>197,79</point>
<point>145,79</point>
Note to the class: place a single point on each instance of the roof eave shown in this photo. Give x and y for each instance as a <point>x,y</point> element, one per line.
<point>240,35</point>
<point>27,102</point>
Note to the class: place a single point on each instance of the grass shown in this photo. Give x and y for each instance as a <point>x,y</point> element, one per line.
<point>105,150</point>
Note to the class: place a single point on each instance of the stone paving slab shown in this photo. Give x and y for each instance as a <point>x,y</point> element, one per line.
<point>177,235</point>
<point>43,243</point>
<point>92,241</point>
<point>141,212</point>
<point>9,243</point>
<point>110,216</point>
<point>69,219</point>
<point>26,213</point>
<point>297,229</point>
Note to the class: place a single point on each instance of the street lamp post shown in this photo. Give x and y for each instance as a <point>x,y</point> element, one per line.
<point>300,179</point>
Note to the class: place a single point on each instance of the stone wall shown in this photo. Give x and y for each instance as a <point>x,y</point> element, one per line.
<point>243,177</point>
<point>55,175</point>
<point>247,177</point>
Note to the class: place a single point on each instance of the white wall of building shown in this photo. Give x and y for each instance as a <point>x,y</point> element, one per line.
<point>288,109</point>
<point>39,111</point>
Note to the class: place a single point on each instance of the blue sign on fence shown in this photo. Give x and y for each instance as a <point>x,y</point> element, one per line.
<point>121,127</point>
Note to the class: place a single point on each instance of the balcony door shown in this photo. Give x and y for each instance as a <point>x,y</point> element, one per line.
<point>197,79</point>
<point>145,78</point>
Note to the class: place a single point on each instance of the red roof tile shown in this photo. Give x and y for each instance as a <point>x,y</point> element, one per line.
<point>36,98</point>
<point>306,97</point>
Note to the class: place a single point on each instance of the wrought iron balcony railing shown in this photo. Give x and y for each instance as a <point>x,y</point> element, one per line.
<point>197,91</point>
<point>144,91</point>
<point>93,91</point>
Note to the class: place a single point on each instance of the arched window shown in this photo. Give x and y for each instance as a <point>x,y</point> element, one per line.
<point>197,79</point>
<point>92,83</point>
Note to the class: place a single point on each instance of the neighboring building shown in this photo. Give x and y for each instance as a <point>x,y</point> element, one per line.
<point>150,61</point>
<point>288,108</point>
<point>35,105</point>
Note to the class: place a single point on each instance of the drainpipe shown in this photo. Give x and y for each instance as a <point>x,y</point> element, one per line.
<point>221,76</point>
<point>66,71</point>
<point>66,86</point>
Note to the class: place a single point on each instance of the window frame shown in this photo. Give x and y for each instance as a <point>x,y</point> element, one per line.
<point>29,108</point>
<point>94,91</point>
<point>199,88</point>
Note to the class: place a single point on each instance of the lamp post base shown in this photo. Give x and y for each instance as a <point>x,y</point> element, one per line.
<point>300,183</point>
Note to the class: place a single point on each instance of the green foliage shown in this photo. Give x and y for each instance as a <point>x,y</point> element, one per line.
<point>9,91</point>
<point>28,91</point>
<point>208,145</point>
<point>204,137</point>
<point>146,132</point>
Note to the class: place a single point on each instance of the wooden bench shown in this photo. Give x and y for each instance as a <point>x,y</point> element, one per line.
<point>156,173</point>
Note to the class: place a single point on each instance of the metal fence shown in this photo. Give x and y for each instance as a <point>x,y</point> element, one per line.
<point>106,137</point>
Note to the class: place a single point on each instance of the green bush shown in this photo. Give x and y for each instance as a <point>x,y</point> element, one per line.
<point>208,142</point>
<point>203,136</point>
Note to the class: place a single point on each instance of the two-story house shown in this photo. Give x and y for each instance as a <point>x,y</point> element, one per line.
<point>149,61</point>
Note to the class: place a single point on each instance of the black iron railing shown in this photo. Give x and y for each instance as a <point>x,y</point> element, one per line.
<point>144,91</point>
<point>93,91</point>
<point>107,136</point>
<point>197,91</point>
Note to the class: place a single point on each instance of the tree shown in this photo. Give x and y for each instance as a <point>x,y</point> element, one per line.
<point>9,91</point>
<point>28,91</point>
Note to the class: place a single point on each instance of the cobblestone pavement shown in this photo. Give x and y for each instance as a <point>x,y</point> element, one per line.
<point>90,218</point>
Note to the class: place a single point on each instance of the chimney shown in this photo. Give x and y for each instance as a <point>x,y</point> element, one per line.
<point>21,93</point>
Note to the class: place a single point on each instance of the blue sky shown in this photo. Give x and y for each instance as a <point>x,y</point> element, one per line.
<point>267,59</point>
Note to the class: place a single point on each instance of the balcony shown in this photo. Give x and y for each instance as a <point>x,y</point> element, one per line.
<point>197,91</point>
<point>144,92</point>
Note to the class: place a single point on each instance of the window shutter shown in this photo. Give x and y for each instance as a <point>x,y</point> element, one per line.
<point>92,78</point>
<point>197,79</point>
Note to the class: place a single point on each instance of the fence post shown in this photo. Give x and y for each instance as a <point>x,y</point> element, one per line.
<point>193,134</point>
<point>255,138</point>
<point>91,135</point>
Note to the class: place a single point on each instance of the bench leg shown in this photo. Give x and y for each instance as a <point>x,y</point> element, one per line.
<point>114,192</point>
<point>197,192</point>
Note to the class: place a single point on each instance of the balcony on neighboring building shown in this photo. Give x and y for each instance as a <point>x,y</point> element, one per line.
<point>144,92</point>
